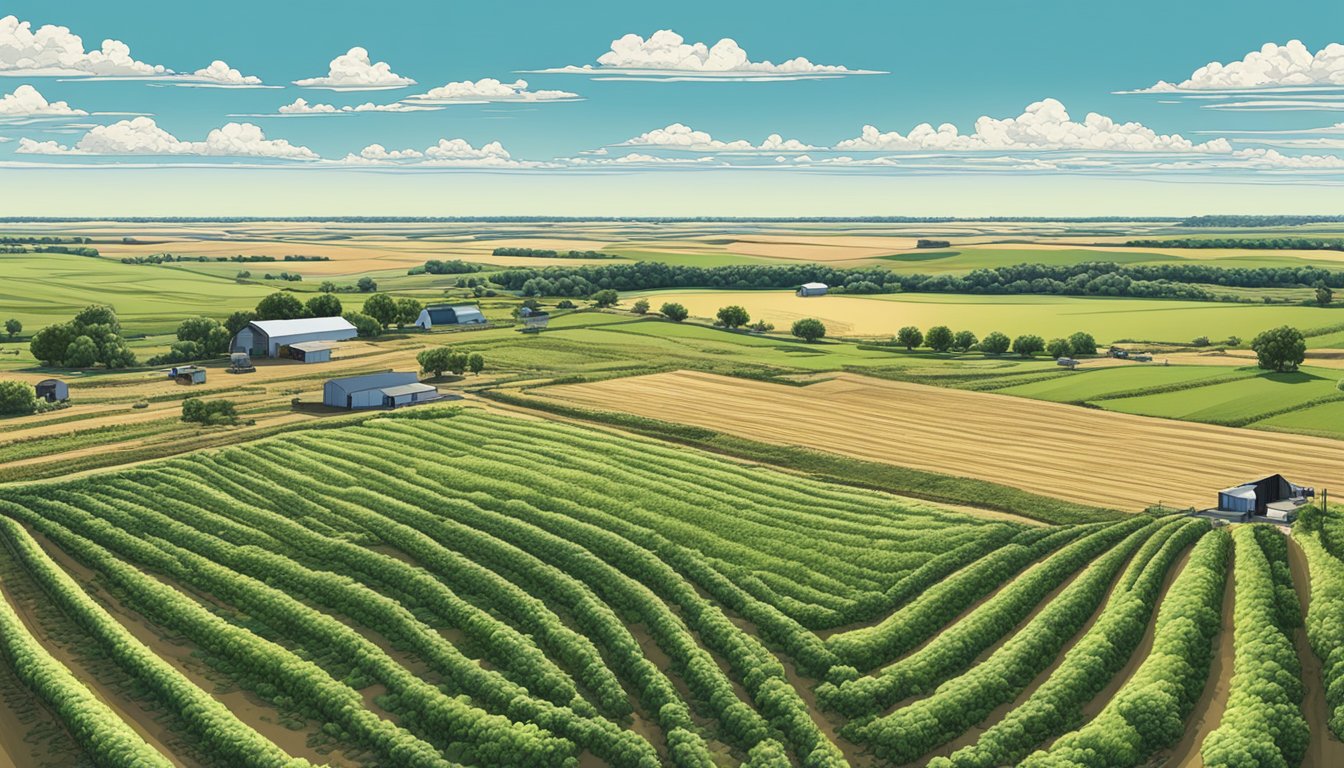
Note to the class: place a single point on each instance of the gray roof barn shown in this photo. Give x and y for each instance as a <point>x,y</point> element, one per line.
<point>450,314</point>
<point>364,391</point>
<point>265,337</point>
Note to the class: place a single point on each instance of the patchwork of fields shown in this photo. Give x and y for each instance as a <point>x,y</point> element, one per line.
<point>1110,460</point>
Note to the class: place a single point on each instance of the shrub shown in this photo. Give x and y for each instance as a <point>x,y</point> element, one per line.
<point>733,316</point>
<point>209,412</point>
<point>1028,344</point>
<point>995,343</point>
<point>640,307</point>
<point>808,329</point>
<point>17,398</point>
<point>605,298</point>
<point>674,311</point>
<point>1082,344</point>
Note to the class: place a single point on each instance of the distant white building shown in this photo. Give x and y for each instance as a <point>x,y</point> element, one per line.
<point>266,337</point>
<point>450,314</point>
<point>813,289</point>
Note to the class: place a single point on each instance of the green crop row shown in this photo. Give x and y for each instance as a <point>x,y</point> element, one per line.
<point>1148,712</point>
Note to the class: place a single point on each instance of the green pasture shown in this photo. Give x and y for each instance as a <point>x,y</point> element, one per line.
<point>1088,384</point>
<point>1238,402</point>
<point>1325,420</point>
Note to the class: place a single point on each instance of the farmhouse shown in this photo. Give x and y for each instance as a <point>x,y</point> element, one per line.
<point>450,314</point>
<point>813,289</point>
<point>53,390</point>
<point>266,337</point>
<point>390,389</point>
<point>1272,498</point>
<point>310,351</point>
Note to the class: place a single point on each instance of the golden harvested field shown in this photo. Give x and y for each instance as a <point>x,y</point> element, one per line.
<point>1079,454</point>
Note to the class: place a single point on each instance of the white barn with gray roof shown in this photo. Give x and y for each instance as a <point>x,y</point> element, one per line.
<point>389,389</point>
<point>266,337</point>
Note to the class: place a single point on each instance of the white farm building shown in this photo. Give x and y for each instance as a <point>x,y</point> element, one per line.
<point>444,314</point>
<point>813,289</point>
<point>266,337</point>
<point>390,389</point>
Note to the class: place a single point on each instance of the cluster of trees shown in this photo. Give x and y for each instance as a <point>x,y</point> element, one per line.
<point>292,277</point>
<point>198,338</point>
<point>1251,244</point>
<point>17,398</point>
<point>1148,712</point>
<point>13,327</point>
<point>958,645</point>
<point>440,267</point>
<point>926,243</point>
<point>168,258</point>
<point>209,412</point>
<point>908,733</point>
<point>1280,349</point>
<point>70,249</point>
<point>1091,663</point>
<point>389,311</point>
<point>437,360</point>
<point>1183,281</point>
<point>219,730</point>
<point>92,338</point>
<point>941,338</point>
<point>545,253</point>
<point>1263,723</point>
<point>44,240</point>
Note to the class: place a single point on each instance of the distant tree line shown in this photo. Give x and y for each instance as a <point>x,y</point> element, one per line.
<point>1258,221</point>
<point>1250,244</point>
<point>1183,281</point>
<point>43,240</point>
<point>544,253</point>
<point>73,250</point>
<point>925,243</point>
<point>440,267</point>
<point>168,258</point>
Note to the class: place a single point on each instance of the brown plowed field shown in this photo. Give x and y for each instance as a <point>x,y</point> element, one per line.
<point>1088,456</point>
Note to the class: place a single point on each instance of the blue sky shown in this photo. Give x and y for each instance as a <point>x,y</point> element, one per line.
<point>1251,138</point>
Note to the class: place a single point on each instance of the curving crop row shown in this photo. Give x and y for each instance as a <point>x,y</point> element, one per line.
<point>1262,724</point>
<point>1325,621</point>
<point>957,646</point>
<point>270,669</point>
<point>1148,712</point>
<point>107,739</point>
<point>905,629</point>
<point>1090,664</point>
<point>963,701</point>
<point>219,731</point>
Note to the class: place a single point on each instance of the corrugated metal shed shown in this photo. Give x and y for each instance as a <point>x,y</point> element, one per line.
<point>450,314</point>
<point>363,391</point>
<point>265,337</point>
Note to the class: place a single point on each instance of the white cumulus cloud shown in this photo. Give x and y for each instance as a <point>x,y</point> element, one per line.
<point>355,71</point>
<point>446,153</point>
<point>682,137</point>
<point>55,50</point>
<point>142,136</point>
<point>487,90</point>
<point>26,101</point>
<point>1043,125</point>
<point>1292,65</point>
<point>666,55</point>
<point>1272,159</point>
<point>219,75</point>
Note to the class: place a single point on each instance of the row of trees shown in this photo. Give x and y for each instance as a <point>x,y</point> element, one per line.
<point>437,360</point>
<point>547,253</point>
<point>1178,280</point>
<point>1250,244</point>
<point>1325,610</point>
<point>941,338</point>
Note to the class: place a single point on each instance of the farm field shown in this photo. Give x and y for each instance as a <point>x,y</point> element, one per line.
<point>1237,402</point>
<point>456,587</point>
<point>1108,319</point>
<point>1105,459</point>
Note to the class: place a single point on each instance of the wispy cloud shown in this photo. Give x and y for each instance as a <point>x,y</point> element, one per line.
<point>487,90</point>
<point>682,137</point>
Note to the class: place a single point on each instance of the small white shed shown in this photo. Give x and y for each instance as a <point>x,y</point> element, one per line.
<point>813,289</point>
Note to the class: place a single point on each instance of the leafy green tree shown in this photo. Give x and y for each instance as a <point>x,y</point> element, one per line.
<point>1200,341</point>
<point>674,311</point>
<point>1082,344</point>
<point>1028,344</point>
<point>382,308</point>
<point>909,337</point>
<point>365,327</point>
<point>17,398</point>
<point>435,360</point>
<point>607,297</point>
<point>964,341</point>
<point>13,327</point>
<point>995,343</point>
<point>808,329</point>
<point>210,337</point>
<point>238,321</point>
<point>939,338</point>
<point>82,353</point>
<point>366,284</point>
<point>457,363</point>
<point>49,344</point>
<point>733,316</point>
<point>280,305</point>
<point>210,413</point>
<point>408,311</point>
<point>1324,294</point>
<point>1059,348</point>
<point>324,305</point>
<point>1234,341</point>
<point>327,287</point>
<point>98,315</point>
<point>476,362</point>
<point>640,307</point>
<point>1280,349</point>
